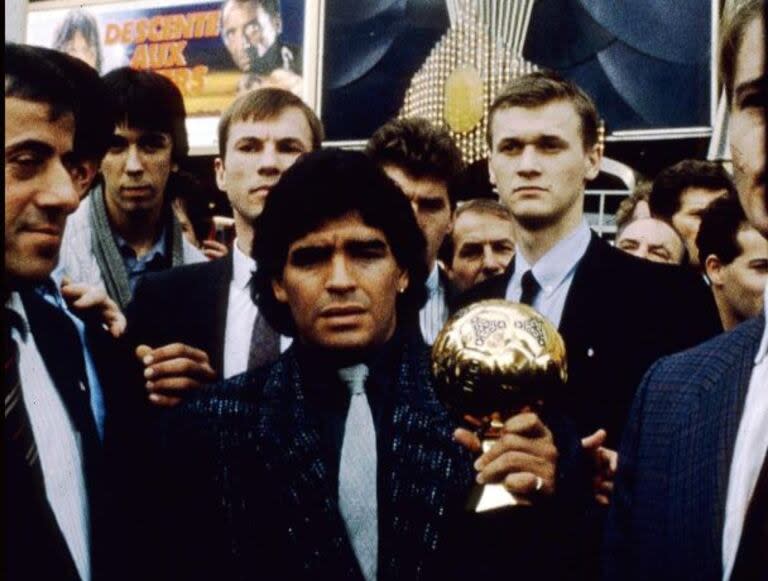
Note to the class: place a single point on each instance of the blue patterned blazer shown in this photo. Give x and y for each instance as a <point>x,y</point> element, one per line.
<point>253,497</point>
<point>666,521</point>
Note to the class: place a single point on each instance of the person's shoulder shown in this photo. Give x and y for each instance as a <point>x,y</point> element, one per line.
<point>236,397</point>
<point>701,366</point>
<point>186,274</point>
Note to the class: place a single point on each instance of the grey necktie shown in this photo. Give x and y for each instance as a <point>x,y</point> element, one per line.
<point>265,344</point>
<point>357,473</point>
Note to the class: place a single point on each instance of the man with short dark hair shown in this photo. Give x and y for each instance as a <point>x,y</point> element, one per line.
<point>423,161</point>
<point>735,261</point>
<point>691,497</point>
<point>680,194</point>
<point>543,138</point>
<point>65,398</point>
<point>252,32</point>
<point>204,311</point>
<point>126,226</point>
<point>337,461</point>
<point>481,244</point>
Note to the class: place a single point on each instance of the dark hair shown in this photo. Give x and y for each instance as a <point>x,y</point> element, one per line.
<point>720,225</point>
<point>96,123</point>
<point>541,88</point>
<point>263,104</point>
<point>271,7</point>
<point>188,190</point>
<point>83,22</point>
<point>626,210</point>
<point>319,187</point>
<point>667,191</point>
<point>482,206</point>
<point>149,101</point>
<point>419,148</point>
<point>32,75</point>
<point>734,23</point>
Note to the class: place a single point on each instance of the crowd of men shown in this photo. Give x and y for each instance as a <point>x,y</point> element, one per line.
<point>267,410</point>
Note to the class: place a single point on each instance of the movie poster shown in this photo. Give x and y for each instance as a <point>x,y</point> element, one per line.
<point>212,50</point>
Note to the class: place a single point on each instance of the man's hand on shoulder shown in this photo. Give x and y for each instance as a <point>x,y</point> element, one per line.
<point>174,371</point>
<point>523,459</point>
<point>92,301</point>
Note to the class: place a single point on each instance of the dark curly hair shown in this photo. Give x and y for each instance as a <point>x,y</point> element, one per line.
<point>720,225</point>
<point>322,186</point>
<point>419,148</point>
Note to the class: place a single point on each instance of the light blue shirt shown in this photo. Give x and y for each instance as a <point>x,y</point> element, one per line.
<point>434,313</point>
<point>51,293</point>
<point>554,272</point>
<point>137,267</point>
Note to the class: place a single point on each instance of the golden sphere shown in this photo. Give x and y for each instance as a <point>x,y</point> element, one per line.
<point>497,356</point>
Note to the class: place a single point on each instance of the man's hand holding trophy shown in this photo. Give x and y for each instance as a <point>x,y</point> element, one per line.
<point>495,363</point>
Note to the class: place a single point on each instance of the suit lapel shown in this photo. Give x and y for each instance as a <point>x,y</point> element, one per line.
<point>310,515</point>
<point>427,477</point>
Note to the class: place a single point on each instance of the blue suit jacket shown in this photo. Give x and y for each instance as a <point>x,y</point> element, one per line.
<point>666,521</point>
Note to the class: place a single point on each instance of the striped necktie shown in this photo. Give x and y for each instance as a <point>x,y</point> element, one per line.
<point>17,425</point>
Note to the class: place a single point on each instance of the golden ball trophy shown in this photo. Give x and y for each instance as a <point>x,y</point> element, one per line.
<point>490,361</point>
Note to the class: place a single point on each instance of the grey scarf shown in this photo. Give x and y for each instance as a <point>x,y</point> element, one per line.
<point>108,254</point>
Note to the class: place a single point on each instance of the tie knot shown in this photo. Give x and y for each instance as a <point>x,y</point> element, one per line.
<point>530,288</point>
<point>354,377</point>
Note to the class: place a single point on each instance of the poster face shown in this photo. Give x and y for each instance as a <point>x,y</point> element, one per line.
<point>212,50</point>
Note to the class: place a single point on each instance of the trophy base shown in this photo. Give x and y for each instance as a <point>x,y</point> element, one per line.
<point>490,497</point>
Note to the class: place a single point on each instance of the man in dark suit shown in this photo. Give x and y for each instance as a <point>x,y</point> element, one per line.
<point>289,475</point>
<point>63,422</point>
<point>691,498</point>
<point>202,316</point>
<point>617,314</point>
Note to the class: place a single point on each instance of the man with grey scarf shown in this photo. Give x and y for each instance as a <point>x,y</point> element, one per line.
<point>125,227</point>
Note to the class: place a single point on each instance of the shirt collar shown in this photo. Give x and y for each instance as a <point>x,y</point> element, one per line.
<point>561,260</point>
<point>433,281</point>
<point>243,267</point>
<point>158,249</point>
<point>762,350</point>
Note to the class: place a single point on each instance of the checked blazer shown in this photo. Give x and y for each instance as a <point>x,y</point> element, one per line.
<point>666,520</point>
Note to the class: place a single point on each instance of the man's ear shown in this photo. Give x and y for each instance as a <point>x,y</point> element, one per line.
<point>221,174</point>
<point>82,176</point>
<point>592,161</point>
<point>714,269</point>
<point>403,280</point>
<point>279,291</point>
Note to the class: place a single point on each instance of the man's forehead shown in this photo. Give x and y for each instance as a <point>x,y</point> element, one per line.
<point>340,231</point>
<point>25,120</point>
<point>555,118</point>
<point>750,58</point>
<point>289,123</point>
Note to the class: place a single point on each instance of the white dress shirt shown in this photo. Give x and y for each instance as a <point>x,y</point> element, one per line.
<point>241,315</point>
<point>58,445</point>
<point>434,313</point>
<point>554,272</point>
<point>748,454</point>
